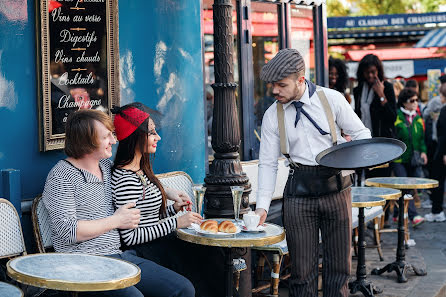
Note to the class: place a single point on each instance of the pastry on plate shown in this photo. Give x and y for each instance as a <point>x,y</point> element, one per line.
<point>209,226</point>
<point>227,227</point>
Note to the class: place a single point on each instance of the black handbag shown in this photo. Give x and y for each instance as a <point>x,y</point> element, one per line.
<point>416,160</point>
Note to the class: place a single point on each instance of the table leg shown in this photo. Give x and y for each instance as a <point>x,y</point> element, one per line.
<point>228,272</point>
<point>400,266</point>
<point>361,284</point>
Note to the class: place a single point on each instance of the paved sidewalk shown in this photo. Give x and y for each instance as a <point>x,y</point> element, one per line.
<point>429,253</point>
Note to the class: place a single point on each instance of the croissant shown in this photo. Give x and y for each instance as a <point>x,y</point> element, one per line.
<point>210,226</point>
<point>227,227</point>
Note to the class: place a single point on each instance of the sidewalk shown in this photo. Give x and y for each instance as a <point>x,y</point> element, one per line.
<point>429,253</point>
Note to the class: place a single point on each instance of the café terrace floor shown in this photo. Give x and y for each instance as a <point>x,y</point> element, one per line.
<point>429,252</point>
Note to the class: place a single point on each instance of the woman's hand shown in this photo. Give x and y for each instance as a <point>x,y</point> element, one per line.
<point>424,157</point>
<point>180,197</point>
<point>187,219</point>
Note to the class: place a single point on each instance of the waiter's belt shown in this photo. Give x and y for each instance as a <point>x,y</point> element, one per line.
<point>314,181</point>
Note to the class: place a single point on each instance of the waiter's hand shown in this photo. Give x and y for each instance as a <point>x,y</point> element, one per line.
<point>262,213</point>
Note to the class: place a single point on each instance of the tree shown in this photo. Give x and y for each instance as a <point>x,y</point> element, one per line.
<point>378,7</point>
<point>336,8</point>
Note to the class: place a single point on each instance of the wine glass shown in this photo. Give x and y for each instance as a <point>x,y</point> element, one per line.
<point>237,192</point>
<point>199,190</point>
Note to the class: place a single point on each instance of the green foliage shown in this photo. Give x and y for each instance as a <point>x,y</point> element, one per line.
<point>335,8</point>
<point>378,7</point>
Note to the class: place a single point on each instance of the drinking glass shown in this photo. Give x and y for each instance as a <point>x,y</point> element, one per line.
<point>237,192</point>
<point>199,190</point>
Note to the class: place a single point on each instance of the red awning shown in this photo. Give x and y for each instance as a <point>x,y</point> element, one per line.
<point>397,54</point>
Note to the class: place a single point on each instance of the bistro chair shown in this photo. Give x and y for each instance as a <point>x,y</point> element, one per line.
<point>11,236</point>
<point>41,225</point>
<point>12,243</point>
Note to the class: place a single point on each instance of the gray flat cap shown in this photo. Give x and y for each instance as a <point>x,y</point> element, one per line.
<point>286,62</point>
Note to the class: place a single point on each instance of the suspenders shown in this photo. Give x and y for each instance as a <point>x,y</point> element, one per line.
<point>281,123</point>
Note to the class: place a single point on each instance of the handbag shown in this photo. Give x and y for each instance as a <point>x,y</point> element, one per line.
<point>416,160</point>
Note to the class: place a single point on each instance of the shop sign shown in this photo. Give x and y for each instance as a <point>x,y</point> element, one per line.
<point>78,63</point>
<point>386,20</point>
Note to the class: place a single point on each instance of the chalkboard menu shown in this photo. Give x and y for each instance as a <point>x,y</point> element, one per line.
<point>79,62</point>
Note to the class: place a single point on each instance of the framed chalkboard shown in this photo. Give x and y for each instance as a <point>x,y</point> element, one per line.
<point>78,59</point>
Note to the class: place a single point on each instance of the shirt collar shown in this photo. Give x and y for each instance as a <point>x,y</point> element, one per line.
<point>305,99</point>
<point>90,177</point>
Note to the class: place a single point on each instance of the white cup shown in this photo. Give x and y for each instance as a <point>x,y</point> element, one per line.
<point>251,220</point>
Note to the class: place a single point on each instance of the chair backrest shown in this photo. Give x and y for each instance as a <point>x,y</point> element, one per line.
<point>41,225</point>
<point>178,180</point>
<point>11,235</point>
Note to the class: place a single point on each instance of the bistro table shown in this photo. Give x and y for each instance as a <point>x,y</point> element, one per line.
<point>400,266</point>
<point>387,193</point>
<point>272,234</point>
<point>361,284</point>
<point>10,290</point>
<point>73,272</point>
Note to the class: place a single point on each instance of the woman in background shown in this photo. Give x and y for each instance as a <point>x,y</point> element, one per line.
<point>338,77</point>
<point>409,129</point>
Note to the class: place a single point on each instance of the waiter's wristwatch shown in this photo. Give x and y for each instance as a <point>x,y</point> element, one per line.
<point>382,99</point>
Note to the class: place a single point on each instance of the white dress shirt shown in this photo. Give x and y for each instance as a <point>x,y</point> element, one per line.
<point>304,141</point>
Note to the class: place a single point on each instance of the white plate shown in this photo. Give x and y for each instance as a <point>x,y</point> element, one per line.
<point>197,229</point>
<point>258,229</point>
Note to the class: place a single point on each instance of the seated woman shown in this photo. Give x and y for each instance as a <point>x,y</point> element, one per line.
<point>409,129</point>
<point>78,197</point>
<point>133,181</point>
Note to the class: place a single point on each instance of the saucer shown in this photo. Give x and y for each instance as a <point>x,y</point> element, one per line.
<point>255,230</point>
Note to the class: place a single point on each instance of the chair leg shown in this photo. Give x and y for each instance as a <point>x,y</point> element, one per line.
<point>378,238</point>
<point>236,279</point>
<point>275,274</point>
<point>406,221</point>
<point>260,268</point>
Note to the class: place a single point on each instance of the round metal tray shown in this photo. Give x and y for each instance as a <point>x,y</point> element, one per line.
<point>362,153</point>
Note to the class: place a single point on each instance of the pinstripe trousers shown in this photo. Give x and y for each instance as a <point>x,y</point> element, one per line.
<point>303,218</point>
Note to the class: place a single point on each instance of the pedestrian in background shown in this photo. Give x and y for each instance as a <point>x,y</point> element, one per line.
<point>338,77</point>
<point>409,129</point>
<point>439,165</point>
<point>375,102</point>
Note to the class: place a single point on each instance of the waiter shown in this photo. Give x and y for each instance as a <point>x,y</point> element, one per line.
<point>315,197</point>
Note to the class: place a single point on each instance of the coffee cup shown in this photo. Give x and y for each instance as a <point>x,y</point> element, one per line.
<point>251,220</point>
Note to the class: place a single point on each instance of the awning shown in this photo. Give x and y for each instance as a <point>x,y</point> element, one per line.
<point>397,54</point>
<point>367,34</point>
<point>435,38</point>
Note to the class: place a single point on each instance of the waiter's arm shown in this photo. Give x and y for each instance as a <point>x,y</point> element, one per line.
<point>348,120</point>
<point>268,156</point>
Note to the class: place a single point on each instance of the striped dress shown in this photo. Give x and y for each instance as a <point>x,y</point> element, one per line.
<point>126,188</point>
<point>71,195</point>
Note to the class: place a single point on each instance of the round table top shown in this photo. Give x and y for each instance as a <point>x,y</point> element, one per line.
<point>386,193</point>
<point>367,201</point>
<point>272,234</point>
<point>10,290</point>
<point>73,272</point>
<point>404,183</point>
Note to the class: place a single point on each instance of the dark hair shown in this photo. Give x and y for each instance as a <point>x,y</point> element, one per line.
<point>366,62</point>
<point>411,83</point>
<point>442,79</point>
<point>405,95</point>
<point>80,133</point>
<point>126,153</point>
<point>341,82</point>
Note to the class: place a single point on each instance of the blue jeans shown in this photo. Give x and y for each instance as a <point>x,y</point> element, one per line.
<point>156,281</point>
<point>406,170</point>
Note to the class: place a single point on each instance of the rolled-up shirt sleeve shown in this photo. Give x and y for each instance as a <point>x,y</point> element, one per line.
<point>58,198</point>
<point>268,161</point>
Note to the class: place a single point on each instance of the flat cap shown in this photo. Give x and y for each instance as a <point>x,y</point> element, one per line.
<point>286,62</point>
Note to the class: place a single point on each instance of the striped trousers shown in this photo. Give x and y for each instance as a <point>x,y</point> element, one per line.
<point>303,218</point>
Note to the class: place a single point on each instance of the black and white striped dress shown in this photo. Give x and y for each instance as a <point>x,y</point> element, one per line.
<point>71,195</point>
<point>127,187</point>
